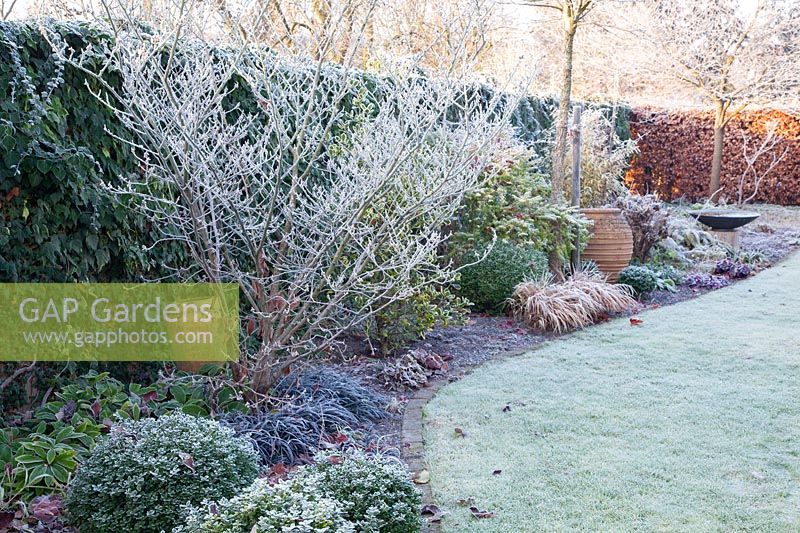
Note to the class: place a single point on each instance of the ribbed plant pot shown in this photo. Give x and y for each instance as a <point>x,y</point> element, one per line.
<point>610,243</point>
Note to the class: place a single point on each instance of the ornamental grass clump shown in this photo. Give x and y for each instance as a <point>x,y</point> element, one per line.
<point>573,304</point>
<point>141,475</point>
<point>365,404</point>
<point>291,435</point>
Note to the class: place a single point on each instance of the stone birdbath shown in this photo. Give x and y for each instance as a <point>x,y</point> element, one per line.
<point>725,223</point>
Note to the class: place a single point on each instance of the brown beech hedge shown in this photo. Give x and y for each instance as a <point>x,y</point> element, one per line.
<point>676,149</point>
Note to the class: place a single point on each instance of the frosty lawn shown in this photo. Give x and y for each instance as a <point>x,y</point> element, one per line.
<point>689,421</point>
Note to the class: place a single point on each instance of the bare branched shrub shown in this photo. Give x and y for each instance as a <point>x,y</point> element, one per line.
<point>760,160</point>
<point>572,304</point>
<point>326,200</point>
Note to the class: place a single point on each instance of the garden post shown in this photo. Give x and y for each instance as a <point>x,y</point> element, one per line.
<point>575,135</point>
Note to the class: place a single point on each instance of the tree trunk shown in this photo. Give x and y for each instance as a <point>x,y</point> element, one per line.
<point>562,120</point>
<point>559,153</point>
<point>716,159</point>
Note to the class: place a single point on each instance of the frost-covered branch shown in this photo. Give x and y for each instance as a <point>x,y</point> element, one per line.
<point>764,155</point>
<point>324,192</point>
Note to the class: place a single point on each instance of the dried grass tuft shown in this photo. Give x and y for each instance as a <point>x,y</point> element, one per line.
<point>573,304</point>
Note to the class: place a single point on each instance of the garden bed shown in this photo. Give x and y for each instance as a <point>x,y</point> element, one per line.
<point>485,337</point>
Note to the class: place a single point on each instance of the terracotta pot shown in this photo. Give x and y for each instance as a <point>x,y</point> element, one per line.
<point>610,243</point>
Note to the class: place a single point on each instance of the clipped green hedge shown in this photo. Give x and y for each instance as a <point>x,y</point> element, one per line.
<point>57,224</point>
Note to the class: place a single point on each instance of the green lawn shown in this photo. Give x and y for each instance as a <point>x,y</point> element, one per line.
<point>688,422</point>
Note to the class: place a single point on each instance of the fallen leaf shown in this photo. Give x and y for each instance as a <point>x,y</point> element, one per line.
<point>96,409</point>
<point>430,509</point>
<point>278,471</point>
<point>45,508</point>
<point>433,512</point>
<point>602,317</point>
<point>13,193</point>
<point>477,513</point>
<point>187,460</point>
<point>636,321</point>
<point>338,438</point>
<point>463,502</point>
<point>335,459</point>
<point>150,396</point>
<point>422,477</point>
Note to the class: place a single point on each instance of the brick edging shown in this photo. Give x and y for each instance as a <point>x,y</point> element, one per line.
<point>413,443</point>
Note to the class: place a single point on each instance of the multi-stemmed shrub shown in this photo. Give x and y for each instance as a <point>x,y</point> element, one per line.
<point>489,282</point>
<point>343,492</point>
<point>322,229</point>
<point>140,476</point>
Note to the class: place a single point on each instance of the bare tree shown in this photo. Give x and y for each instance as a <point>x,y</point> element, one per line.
<point>733,56</point>
<point>327,202</point>
<point>764,155</point>
<point>572,14</point>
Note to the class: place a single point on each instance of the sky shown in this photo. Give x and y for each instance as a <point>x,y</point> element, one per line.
<point>23,7</point>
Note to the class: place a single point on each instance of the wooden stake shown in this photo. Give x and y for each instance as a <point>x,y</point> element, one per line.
<point>575,135</point>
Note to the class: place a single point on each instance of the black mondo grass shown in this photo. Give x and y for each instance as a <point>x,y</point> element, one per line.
<point>365,404</point>
<point>293,434</point>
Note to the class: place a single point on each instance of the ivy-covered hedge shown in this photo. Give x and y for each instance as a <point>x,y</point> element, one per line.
<point>58,143</point>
